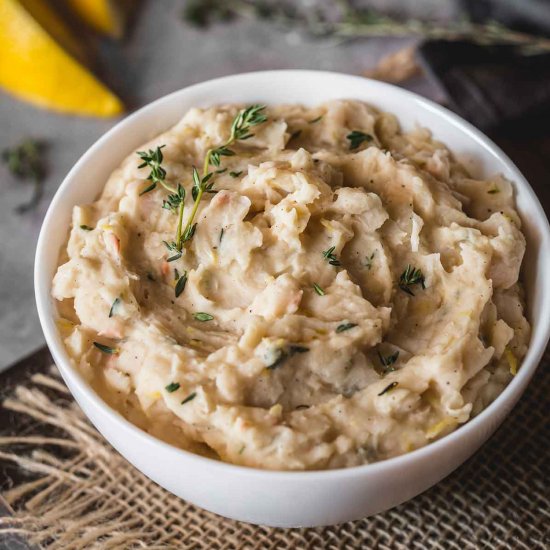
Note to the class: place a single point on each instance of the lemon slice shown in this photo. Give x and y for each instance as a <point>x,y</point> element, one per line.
<point>34,66</point>
<point>104,16</point>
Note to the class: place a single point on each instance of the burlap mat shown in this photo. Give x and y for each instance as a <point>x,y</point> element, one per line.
<point>77,492</point>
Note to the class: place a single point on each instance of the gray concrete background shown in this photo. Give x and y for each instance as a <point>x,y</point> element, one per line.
<point>161,54</point>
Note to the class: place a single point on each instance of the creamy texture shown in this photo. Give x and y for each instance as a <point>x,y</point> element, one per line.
<point>298,367</point>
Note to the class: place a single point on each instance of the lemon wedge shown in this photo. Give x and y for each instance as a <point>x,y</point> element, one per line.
<point>104,16</point>
<point>35,67</point>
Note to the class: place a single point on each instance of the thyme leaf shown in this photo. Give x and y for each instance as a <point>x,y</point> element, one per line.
<point>318,289</point>
<point>388,388</point>
<point>345,326</point>
<point>172,387</point>
<point>315,120</point>
<point>202,316</point>
<point>113,307</point>
<point>180,285</point>
<point>388,361</point>
<point>235,174</point>
<point>190,397</point>
<point>284,353</point>
<point>86,228</point>
<point>106,349</point>
<point>356,138</point>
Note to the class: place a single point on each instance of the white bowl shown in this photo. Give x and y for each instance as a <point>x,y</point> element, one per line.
<point>288,499</point>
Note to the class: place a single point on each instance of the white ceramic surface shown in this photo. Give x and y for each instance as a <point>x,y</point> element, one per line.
<point>293,498</point>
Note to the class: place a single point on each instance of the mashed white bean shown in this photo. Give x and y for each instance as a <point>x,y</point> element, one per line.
<point>347,299</point>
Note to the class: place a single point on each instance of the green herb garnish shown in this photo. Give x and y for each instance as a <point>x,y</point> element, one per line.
<point>26,162</point>
<point>282,354</point>
<point>235,174</point>
<point>316,119</point>
<point>245,120</point>
<point>318,289</point>
<point>388,361</point>
<point>388,388</point>
<point>356,138</point>
<point>86,228</point>
<point>113,307</point>
<point>221,237</point>
<point>330,257</point>
<point>153,159</point>
<point>190,397</point>
<point>106,349</point>
<point>180,285</point>
<point>201,316</point>
<point>411,276</point>
<point>494,190</point>
<point>345,326</point>
<point>172,387</point>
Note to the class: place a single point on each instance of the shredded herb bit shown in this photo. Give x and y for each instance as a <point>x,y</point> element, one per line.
<point>282,354</point>
<point>106,349</point>
<point>318,289</point>
<point>172,387</point>
<point>180,285</point>
<point>345,326</point>
<point>331,257</point>
<point>301,407</point>
<point>388,388</point>
<point>235,174</point>
<point>86,228</point>
<point>241,450</point>
<point>315,120</point>
<point>388,361</point>
<point>356,138</point>
<point>113,307</point>
<point>494,190</point>
<point>190,397</point>
<point>221,236</point>
<point>411,276</point>
<point>201,316</point>
<point>369,261</point>
<point>26,162</point>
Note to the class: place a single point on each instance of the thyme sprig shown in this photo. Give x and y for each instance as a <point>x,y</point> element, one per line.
<point>153,159</point>
<point>356,138</point>
<point>241,127</point>
<point>411,276</point>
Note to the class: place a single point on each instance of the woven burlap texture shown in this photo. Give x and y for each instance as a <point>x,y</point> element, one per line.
<point>79,493</point>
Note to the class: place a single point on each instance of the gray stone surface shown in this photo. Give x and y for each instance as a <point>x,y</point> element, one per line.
<point>162,54</point>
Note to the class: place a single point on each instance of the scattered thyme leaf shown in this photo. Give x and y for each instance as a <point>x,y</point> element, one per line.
<point>345,326</point>
<point>331,257</point>
<point>241,450</point>
<point>172,387</point>
<point>221,236</point>
<point>388,388</point>
<point>86,228</point>
<point>315,120</point>
<point>318,289</point>
<point>180,285</point>
<point>411,276</point>
<point>356,138</point>
<point>284,353</point>
<point>388,361</point>
<point>190,397</point>
<point>235,174</point>
<point>494,190</point>
<point>106,349</point>
<point>26,161</point>
<point>113,307</point>
<point>202,316</point>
